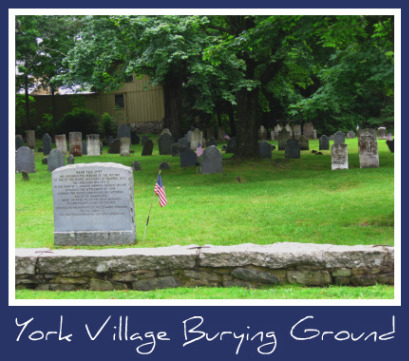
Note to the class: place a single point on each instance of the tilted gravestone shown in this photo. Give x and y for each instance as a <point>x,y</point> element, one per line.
<point>31,139</point>
<point>339,156</point>
<point>114,147</point>
<point>165,142</point>
<point>46,144</point>
<point>308,130</point>
<point>188,158</point>
<point>303,142</point>
<point>19,141</point>
<point>184,142</point>
<point>93,147</point>
<point>292,149</point>
<point>123,131</point>
<point>231,145</point>
<point>125,146</point>
<point>75,139</point>
<point>25,160</point>
<point>368,148</point>
<point>177,149</point>
<point>147,148</point>
<point>283,137</point>
<point>324,143</point>
<point>265,149</point>
<point>93,205</point>
<point>212,161</point>
<point>55,160</point>
<point>382,133</point>
<point>339,137</point>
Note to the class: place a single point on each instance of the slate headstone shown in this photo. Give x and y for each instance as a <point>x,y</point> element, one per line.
<point>135,138</point>
<point>231,145</point>
<point>382,133</point>
<point>308,130</point>
<point>292,149</point>
<point>339,156</point>
<point>75,139</point>
<point>184,142</point>
<point>283,137</point>
<point>25,160</point>
<point>165,142</point>
<point>46,144</point>
<point>351,134</point>
<point>144,139</point>
<point>339,137</point>
<point>136,166</point>
<point>303,142</point>
<point>265,149</point>
<point>19,141</point>
<point>31,139</point>
<point>164,165</point>
<point>324,143</point>
<point>125,146</point>
<point>84,147</point>
<point>114,147</point>
<point>55,160</point>
<point>188,158</point>
<point>123,131</point>
<point>93,146</point>
<point>70,159</point>
<point>177,149</point>
<point>147,148</point>
<point>93,205</point>
<point>368,148</point>
<point>212,161</point>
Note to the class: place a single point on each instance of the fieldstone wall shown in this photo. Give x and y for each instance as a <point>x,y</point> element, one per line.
<point>148,127</point>
<point>245,265</point>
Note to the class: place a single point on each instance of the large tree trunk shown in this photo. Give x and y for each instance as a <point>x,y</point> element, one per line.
<point>173,92</point>
<point>53,108</point>
<point>27,105</point>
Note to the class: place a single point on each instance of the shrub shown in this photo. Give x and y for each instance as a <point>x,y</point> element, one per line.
<point>79,120</point>
<point>107,125</point>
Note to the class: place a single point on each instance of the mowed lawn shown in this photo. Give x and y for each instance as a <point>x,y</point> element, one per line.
<point>259,201</point>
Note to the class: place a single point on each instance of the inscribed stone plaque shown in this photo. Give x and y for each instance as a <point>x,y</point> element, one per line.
<point>368,148</point>
<point>19,141</point>
<point>25,160</point>
<point>165,142</point>
<point>75,139</point>
<point>147,147</point>
<point>212,161</point>
<point>114,147</point>
<point>46,144</point>
<point>123,131</point>
<point>231,145</point>
<point>188,158</point>
<point>93,204</point>
<point>382,133</point>
<point>292,149</point>
<point>55,160</point>
<point>31,139</point>
<point>283,137</point>
<point>125,146</point>
<point>265,149</point>
<point>303,142</point>
<point>339,156</point>
<point>308,130</point>
<point>93,147</point>
<point>324,143</point>
<point>339,137</point>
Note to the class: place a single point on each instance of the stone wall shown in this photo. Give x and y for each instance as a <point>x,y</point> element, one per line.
<point>148,127</point>
<point>246,265</point>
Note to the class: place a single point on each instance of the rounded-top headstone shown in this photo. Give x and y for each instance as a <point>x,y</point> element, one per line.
<point>55,160</point>
<point>212,161</point>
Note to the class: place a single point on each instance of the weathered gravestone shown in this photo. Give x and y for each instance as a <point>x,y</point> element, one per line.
<point>93,147</point>
<point>123,131</point>
<point>114,147</point>
<point>303,142</point>
<point>31,139</point>
<point>188,158</point>
<point>75,139</point>
<point>265,149</point>
<point>165,142</point>
<point>46,144</point>
<point>135,138</point>
<point>212,161</point>
<point>339,137</point>
<point>382,133</point>
<point>297,131</point>
<point>144,139</point>
<point>93,204</point>
<point>308,130</point>
<point>324,143</point>
<point>289,129</point>
<point>184,142</point>
<point>262,133</point>
<point>314,132</point>
<point>25,160</point>
<point>272,135</point>
<point>125,146</point>
<point>55,160</point>
<point>147,147</point>
<point>166,131</point>
<point>84,147</point>
<point>277,129</point>
<point>351,134</point>
<point>19,141</point>
<point>136,166</point>
<point>177,149</point>
<point>339,156</point>
<point>283,137</point>
<point>70,159</point>
<point>368,148</point>
<point>292,149</point>
<point>188,136</point>
<point>231,145</point>
<point>196,138</point>
<point>211,141</point>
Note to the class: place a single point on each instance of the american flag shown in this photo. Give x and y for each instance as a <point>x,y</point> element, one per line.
<point>160,191</point>
<point>199,150</point>
<point>389,136</point>
<point>226,137</point>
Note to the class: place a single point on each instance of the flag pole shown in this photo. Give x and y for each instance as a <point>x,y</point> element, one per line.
<point>147,220</point>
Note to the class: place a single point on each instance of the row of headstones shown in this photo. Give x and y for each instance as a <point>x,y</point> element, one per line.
<point>308,131</point>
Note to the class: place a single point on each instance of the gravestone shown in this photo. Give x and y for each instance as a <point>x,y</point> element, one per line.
<point>368,148</point>
<point>93,205</point>
<point>277,129</point>
<point>292,149</point>
<point>382,133</point>
<point>272,135</point>
<point>262,133</point>
<point>164,165</point>
<point>125,146</point>
<point>314,134</point>
<point>339,137</point>
<point>31,139</point>
<point>55,160</point>
<point>165,142</point>
<point>25,160</point>
<point>135,138</point>
<point>288,129</point>
<point>331,137</point>
<point>188,136</point>
<point>166,131</point>
<point>114,147</point>
<point>303,142</point>
<point>144,139</point>
<point>391,145</point>
<point>19,141</point>
<point>70,159</point>
<point>93,146</point>
<point>283,137</point>
<point>75,139</point>
<point>231,145</point>
<point>211,141</point>
<point>101,148</point>
<point>308,130</point>
<point>339,156</point>
<point>46,144</point>
<point>123,131</point>
<point>188,158</point>
<point>147,148</point>
<point>177,149</point>
<point>196,138</point>
<point>84,147</point>
<point>351,134</point>
<point>184,142</point>
<point>265,149</point>
<point>324,143</point>
<point>212,161</point>
<point>136,166</point>
<point>297,131</point>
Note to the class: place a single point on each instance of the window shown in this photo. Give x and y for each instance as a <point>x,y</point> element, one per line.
<point>119,101</point>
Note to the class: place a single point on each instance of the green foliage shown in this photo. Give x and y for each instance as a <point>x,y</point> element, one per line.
<point>107,125</point>
<point>47,125</point>
<point>21,111</point>
<point>79,120</point>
